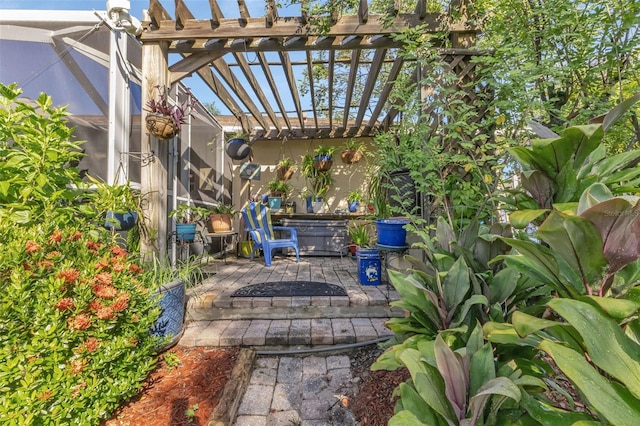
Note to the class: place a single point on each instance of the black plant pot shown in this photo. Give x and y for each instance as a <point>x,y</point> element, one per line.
<point>237,149</point>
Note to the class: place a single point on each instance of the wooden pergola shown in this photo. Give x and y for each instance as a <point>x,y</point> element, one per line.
<point>214,48</point>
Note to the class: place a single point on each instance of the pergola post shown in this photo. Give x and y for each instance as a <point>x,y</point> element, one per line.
<point>155,73</point>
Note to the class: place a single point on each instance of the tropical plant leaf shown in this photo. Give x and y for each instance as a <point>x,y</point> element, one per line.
<point>469,234</point>
<point>618,222</point>
<point>482,368</point>
<point>608,348</point>
<point>456,379</point>
<point>578,242</point>
<point>593,195</point>
<point>415,411</point>
<point>584,140</point>
<point>429,384</point>
<point>498,386</point>
<point>456,284</point>
<point>406,418</point>
<point>519,219</point>
<point>567,184</point>
<point>540,187</point>
<point>547,414</point>
<point>618,309</point>
<point>611,403</point>
<point>504,333</point>
<point>503,284</point>
<point>444,234</point>
<point>539,263</point>
<point>618,111</point>
<point>476,299</point>
<point>525,324</point>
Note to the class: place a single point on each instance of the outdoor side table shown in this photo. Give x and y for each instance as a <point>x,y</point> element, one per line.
<point>228,239</point>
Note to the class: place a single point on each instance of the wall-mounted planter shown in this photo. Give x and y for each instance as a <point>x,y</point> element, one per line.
<point>237,149</point>
<point>120,221</point>
<point>161,126</point>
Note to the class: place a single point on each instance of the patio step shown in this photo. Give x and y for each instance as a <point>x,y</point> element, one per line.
<point>215,318</point>
<point>361,302</point>
<point>278,333</point>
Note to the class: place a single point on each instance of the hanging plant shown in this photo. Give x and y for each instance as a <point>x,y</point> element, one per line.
<point>285,169</point>
<point>163,119</point>
<point>237,147</point>
<point>353,151</point>
<point>323,157</point>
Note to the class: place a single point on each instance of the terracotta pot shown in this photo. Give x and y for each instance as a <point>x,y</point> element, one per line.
<point>351,156</point>
<point>219,222</point>
<point>161,126</point>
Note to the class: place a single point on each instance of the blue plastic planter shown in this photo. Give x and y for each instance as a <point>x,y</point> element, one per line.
<point>369,266</point>
<point>186,231</point>
<point>391,232</point>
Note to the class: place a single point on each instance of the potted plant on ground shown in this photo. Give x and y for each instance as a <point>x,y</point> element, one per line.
<point>354,198</point>
<point>323,157</point>
<point>367,256</point>
<point>353,151</point>
<point>164,120</point>
<point>237,147</point>
<point>171,283</point>
<point>285,169</point>
<point>186,217</point>
<point>221,218</point>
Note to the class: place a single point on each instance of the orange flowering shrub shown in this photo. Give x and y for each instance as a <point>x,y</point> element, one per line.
<point>75,314</point>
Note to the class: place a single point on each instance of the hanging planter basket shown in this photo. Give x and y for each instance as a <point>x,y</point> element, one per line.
<point>237,149</point>
<point>284,172</point>
<point>162,126</point>
<point>323,163</point>
<point>351,156</point>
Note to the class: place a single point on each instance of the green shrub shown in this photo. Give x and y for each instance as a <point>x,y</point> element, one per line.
<point>75,309</point>
<point>75,315</point>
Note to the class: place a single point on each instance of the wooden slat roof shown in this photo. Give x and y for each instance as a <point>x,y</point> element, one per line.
<point>215,48</point>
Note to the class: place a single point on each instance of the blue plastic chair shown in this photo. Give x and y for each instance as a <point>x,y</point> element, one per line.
<point>258,221</point>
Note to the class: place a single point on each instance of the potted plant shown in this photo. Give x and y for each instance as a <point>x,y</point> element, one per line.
<point>278,192</point>
<point>221,218</point>
<point>118,205</point>
<point>171,283</point>
<point>285,169</point>
<point>237,147</point>
<point>359,235</point>
<point>318,182</point>
<point>164,120</point>
<point>353,151</point>
<point>367,256</point>
<point>354,198</point>
<point>186,217</point>
<point>323,157</point>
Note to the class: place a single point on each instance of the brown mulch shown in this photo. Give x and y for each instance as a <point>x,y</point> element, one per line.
<point>201,374</point>
<point>372,403</point>
<point>182,394</point>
